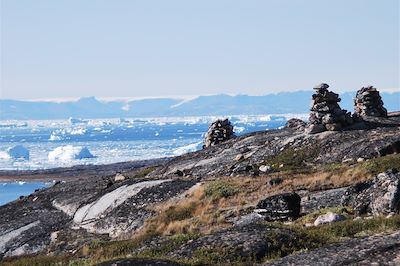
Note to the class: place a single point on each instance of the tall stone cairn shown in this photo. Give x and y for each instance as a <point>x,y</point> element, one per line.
<point>326,113</point>
<point>219,131</point>
<point>368,102</point>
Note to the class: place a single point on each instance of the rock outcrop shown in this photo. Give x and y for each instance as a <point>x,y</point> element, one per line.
<point>219,131</point>
<point>282,207</point>
<point>250,241</point>
<point>373,250</point>
<point>326,113</point>
<point>368,102</point>
<point>295,123</point>
<point>378,196</point>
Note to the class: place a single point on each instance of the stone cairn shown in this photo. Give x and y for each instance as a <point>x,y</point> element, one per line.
<point>368,102</point>
<point>326,113</point>
<point>219,131</point>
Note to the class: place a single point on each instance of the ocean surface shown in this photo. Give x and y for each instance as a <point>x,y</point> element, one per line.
<point>41,144</point>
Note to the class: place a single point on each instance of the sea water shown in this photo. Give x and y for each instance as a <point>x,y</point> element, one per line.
<point>10,191</point>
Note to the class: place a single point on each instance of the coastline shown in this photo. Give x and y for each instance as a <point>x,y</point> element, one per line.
<point>75,172</point>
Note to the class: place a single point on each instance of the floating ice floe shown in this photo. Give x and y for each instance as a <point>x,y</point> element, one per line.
<point>77,121</point>
<point>238,129</point>
<point>188,148</point>
<point>18,152</point>
<point>69,152</point>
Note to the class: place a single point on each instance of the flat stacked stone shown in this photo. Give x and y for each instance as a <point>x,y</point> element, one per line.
<point>219,131</point>
<point>368,102</point>
<point>326,113</point>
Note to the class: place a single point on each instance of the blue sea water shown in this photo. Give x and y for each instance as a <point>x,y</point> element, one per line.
<point>59,143</point>
<point>10,191</point>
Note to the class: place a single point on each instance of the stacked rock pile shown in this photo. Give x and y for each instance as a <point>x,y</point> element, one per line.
<point>326,113</point>
<point>368,102</point>
<point>220,130</point>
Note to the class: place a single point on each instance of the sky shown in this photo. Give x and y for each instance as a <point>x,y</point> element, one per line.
<point>129,48</point>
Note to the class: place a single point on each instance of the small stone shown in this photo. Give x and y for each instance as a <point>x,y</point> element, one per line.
<point>275,181</point>
<point>314,129</point>
<point>239,157</point>
<point>328,218</point>
<point>333,127</point>
<point>265,168</point>
<point>178,173</point>
<point>119,177</point>
<point>359,160</point>
<point>321,86</point>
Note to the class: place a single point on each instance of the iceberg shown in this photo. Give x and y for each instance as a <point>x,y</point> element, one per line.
<point>188,148</point>
<point>4,156</point>
<point>18,152</point>
<point>69,152</point>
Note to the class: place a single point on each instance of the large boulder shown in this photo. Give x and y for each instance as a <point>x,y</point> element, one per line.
<point>282,207</point>
<point>379,196</point>
<point>219,131</point>
<point>328,218</point>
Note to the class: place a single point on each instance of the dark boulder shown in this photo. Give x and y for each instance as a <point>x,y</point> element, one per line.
<point>282,207</point>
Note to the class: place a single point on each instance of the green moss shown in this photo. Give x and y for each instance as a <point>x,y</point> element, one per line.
<point>292,159</point>
<point>169,245</point>
<point>36,261</point>
<point>141,173</point>
<point>220,189</point>
<point>381,164</point>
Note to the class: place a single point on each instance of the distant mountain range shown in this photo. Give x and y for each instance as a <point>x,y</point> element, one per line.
<point>280,103</point>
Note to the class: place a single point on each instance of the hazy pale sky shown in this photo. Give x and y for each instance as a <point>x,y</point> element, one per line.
<point>128,48</point>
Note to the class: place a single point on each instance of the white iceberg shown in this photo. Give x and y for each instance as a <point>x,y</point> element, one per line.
<point>18,152</point>
<point>77,131</point>
<point>188,148</point>
<point>4,156</point>
<point>69,152</point>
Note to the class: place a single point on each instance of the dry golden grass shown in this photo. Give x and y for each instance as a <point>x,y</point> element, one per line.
<point>206,207</point>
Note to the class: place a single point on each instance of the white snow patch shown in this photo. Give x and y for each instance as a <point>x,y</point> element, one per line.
<point>5,238</point>
<point>69,152</point>
<point>93,211</point>
<point>18,152</point>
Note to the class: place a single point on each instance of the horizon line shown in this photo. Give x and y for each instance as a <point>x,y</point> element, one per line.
<point>175,97</point>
